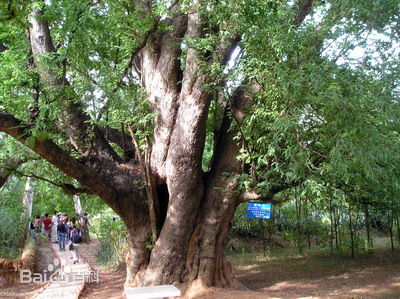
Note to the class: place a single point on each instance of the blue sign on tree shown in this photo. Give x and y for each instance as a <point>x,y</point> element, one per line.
<point>259,210</point>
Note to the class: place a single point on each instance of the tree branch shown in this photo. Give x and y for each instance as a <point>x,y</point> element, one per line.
<point>67,188</point>
<point>124,141</point>
<point>253,194</point>
<point>9,167</point>
<point>53,154</point>
<point>302,8</point>
<point>134,54</point>
<point>73,119</point>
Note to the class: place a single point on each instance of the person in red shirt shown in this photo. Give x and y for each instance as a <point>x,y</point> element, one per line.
<point>38,224</point>
<point>47,225</point>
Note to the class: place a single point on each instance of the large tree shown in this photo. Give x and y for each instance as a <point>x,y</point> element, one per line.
<point>123,95</point>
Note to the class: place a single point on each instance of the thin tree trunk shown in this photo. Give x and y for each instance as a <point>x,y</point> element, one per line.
<point>368,227</point>
<point>340,232</point>
<point>138,239</point>
<point>390,225</point>
<point>331,237</point>
<point>335,221</point>
<point>398,227</point>
<point>351,233</point>
<point>299,229</point>
<point>308,232</point>
<point>152,198</point>
<point>271,228</point>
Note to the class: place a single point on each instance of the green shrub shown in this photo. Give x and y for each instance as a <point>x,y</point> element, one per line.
<point>111,233</point>
<point>238,246</point>
<point>12,225</point>
<point>243,226</point>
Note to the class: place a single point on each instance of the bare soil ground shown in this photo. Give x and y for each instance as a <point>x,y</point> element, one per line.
<point>374,275</point>
<point>111,283</point>
<point>320,276</point>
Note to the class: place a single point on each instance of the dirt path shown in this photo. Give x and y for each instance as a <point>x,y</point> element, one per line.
<point>111,283</point>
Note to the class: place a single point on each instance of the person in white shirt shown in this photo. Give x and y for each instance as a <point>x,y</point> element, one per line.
<point>54,222</point>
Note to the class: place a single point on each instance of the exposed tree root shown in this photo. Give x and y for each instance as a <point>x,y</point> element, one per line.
<point>197,288</point>
<point>9,269</point>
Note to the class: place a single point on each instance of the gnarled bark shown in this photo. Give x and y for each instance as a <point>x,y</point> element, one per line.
<point>206,261</point>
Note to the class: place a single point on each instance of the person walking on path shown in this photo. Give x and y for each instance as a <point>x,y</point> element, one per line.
<point>73,231</point>
<point>73,222</point>
<point>54,223</point>
<point>75,241</point>
<point>62,231</point>
<point>32,228</point>
<point>63,218</point>
<point>47,225</point>
<point>72,225</point>
<point>38,224</point>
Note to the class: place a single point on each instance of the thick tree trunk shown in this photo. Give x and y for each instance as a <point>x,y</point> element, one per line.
<point>192,248</point>
<point>136,218</point>
<point>138,253</point>
<point>178,146</point>
<point>207,264</point>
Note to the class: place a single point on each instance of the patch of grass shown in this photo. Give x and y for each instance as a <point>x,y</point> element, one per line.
<point>110,257</point>
<point>382,241</point>
<point>286,264</point>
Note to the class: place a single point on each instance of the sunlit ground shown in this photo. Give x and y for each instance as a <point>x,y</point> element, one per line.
<point>284,273</point>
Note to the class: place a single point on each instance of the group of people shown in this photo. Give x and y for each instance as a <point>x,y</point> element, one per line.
<point>60,229</point>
